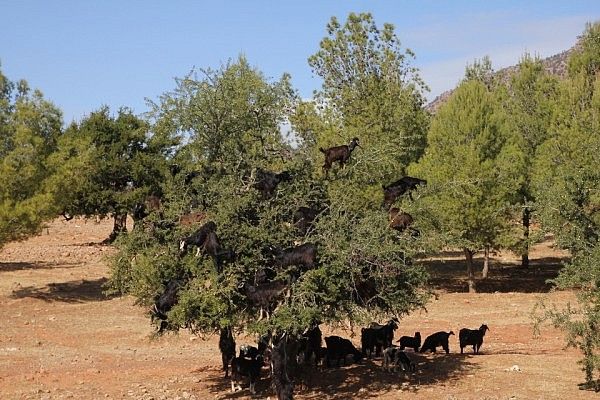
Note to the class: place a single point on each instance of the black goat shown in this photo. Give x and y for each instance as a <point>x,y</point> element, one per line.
<point>245,367</point>
<point>378,337</point>
<point>304,255</point>
<point>435,340</point>
<point>267,181</point>
<point>248,351</point>
<point>341,154</point>
<point>338,348</point>
<point>310,343</point>
<point>410,342</point>
<point>227,348</point>
<point>206,240</point>
<point>199,238</point>
<point>165,302</point>
<point>394,357</point>
<point>304,218</point>
<point>399,220</point>
<point>472,337</point>
<point>264,295</point>
<point>403,185</point>
<point>281,382</point>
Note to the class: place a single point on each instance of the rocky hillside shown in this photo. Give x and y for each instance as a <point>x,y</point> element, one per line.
<point>556,65</point>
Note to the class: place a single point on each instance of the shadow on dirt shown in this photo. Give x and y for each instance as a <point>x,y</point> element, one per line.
<point>20,266</point>
<point>451,275</point>
<point>69,292</point>
<point>364,380</point>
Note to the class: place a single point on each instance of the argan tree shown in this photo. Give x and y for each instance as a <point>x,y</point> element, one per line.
<point>30,127</point>
<point>232,117</point>
<point>105,165</point>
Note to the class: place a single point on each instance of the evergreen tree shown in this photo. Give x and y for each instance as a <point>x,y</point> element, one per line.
<point>530,101</point>
<point>567,186</point>
<point>473,169</point>
<point>29,129</point>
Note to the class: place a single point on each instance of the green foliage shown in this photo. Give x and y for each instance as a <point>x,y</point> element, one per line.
<point>232,118</point>
<point>530,100</point>
<point>29,129</point>
<point>473,168</point>
<point>106,165</point>
<point>370,91</point>
<point>567,186</point>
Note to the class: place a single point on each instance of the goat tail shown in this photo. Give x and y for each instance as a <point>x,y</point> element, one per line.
<point>322,150</point>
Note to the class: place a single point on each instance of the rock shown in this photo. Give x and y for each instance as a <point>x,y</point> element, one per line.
<point>514,368</point>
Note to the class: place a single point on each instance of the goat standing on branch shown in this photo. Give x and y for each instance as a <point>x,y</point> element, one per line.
<point>341,154</point>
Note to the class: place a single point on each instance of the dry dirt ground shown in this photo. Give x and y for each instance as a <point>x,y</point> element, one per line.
<point>62,338</point>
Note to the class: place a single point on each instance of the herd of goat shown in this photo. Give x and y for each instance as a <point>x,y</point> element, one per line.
<point>376,341</point>
<point>266,290</point>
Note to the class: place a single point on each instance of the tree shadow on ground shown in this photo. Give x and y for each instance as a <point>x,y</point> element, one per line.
<point>503,277</point>
<point>20,266</point>
<point>78,291</point>
<point>363,380</point>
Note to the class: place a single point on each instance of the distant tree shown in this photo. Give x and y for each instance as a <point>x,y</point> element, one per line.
<point>473,168</point>
<point>530,102</point>
<point>105,165</point>
<point>29,129</point>
<point>232,117</point>
<point>567,186</point>
<point>371,91</point>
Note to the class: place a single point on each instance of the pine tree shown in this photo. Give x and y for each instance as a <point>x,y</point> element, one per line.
<point>567,186</point>
<point>530,101</point>
<point>473,169</point>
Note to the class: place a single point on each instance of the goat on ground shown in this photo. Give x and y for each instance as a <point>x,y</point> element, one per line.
<point>310,343</point>
<point>403,185</point>
<point>410,342</point>
<point>227,348</point>
<point>394,357</point>
<point>338,348</point>
<point>281,382</point>
<point>378,337</point>
<point>472,337</point>
<point>435,340</point>
<point>245,367</point>
<point>340,154</point>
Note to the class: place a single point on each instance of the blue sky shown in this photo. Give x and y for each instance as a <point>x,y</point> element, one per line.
<point>85,54</point>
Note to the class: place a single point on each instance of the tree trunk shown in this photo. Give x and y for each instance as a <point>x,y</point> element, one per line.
<point>525,255</point>
<point>120,226</point>
<point>470,273</point>
<point>283,385</point>
<point>486,262</point>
